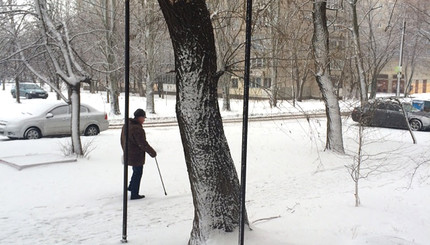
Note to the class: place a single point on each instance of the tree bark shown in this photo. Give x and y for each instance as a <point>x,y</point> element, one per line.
<point>275,9</point>
<point>75,99</point>
<point>150,105</point>
<point>213,178</point>
<point>110,29</point>
<point>150,39</point>
<point>17,92</point>
<point>320,41</point>
<point>225,83</point>
<point>357,50</point>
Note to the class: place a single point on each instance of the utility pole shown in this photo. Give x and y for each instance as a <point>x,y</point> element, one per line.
<point>399,71</point>
<point>126,116</point>
<point>242,215</point>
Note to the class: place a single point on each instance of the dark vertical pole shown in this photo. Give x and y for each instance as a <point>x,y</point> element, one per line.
<point>242,217</point>
<point>126,116</point>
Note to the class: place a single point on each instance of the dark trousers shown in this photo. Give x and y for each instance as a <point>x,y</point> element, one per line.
<point>134,185</point>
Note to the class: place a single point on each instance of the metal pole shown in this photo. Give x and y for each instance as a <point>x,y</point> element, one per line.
<point>126,116</point>
<point>159,172</point>
<point>242,216</point>
<point>399,72</point>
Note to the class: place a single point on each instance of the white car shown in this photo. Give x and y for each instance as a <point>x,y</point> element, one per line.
<point>51,119</point>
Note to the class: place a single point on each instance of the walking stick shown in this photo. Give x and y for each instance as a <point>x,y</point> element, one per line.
<point>159,172</point>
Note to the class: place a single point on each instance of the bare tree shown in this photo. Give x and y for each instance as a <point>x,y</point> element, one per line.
<point>109,51</point>
<point>357,48</point>
<point>380,45</point>
<point>213,178</point>
<point>275,11</point>
<point>150,30</point>
<point>57,44</point>
<point>320,47</point>
<point>228,25</point>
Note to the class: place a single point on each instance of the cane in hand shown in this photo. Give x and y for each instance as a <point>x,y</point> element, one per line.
<point>159,172</point>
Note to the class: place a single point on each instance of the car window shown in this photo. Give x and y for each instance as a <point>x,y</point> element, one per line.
<point>84,109</point>
<point>60,110</point>
<point>410,108</point>
<point>394,107</point>
<point>381,106</point>
<point>30,86</point>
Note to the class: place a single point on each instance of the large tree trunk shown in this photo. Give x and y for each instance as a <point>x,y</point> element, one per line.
<point>320,41</point>
<point>213,178</point>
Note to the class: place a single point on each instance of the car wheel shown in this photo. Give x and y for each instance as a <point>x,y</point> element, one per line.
<point>32,133</point>
<point>28,96</point>
<point>92,130</point>
<point>416,125</point>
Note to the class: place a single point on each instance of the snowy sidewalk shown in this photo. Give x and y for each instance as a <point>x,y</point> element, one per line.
<point>32,160</point>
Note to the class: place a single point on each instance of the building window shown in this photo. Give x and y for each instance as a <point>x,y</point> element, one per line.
<point>258,63</point>
<point>255,82</point>
<point>234,83</point>
<point>267,82</point>
<point>425,86</point>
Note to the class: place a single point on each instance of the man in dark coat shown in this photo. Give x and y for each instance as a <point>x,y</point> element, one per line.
<point>137,147</point>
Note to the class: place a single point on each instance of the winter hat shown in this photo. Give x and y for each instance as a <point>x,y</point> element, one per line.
<point>139,113</point>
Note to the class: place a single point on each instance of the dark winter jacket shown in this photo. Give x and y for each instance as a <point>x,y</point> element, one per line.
<point>137,145</point>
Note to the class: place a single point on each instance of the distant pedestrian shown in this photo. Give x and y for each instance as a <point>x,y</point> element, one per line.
<point>137,147</point>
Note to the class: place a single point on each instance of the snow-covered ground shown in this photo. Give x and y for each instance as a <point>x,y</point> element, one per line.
<point>296,192</point>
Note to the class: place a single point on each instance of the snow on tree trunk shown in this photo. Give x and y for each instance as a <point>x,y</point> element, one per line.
<point>320,41</point>
<point>59,48</point>
<point>75,99</point>
<point>213,178</point>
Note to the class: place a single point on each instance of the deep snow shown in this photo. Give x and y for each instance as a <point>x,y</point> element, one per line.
<point>296,192</point>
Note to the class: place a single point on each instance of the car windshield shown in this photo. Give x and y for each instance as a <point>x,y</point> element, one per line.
<point>30,86</point>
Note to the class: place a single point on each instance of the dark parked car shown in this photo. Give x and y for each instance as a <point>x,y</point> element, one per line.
<point>29,90</point>
<point>387,113</point>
